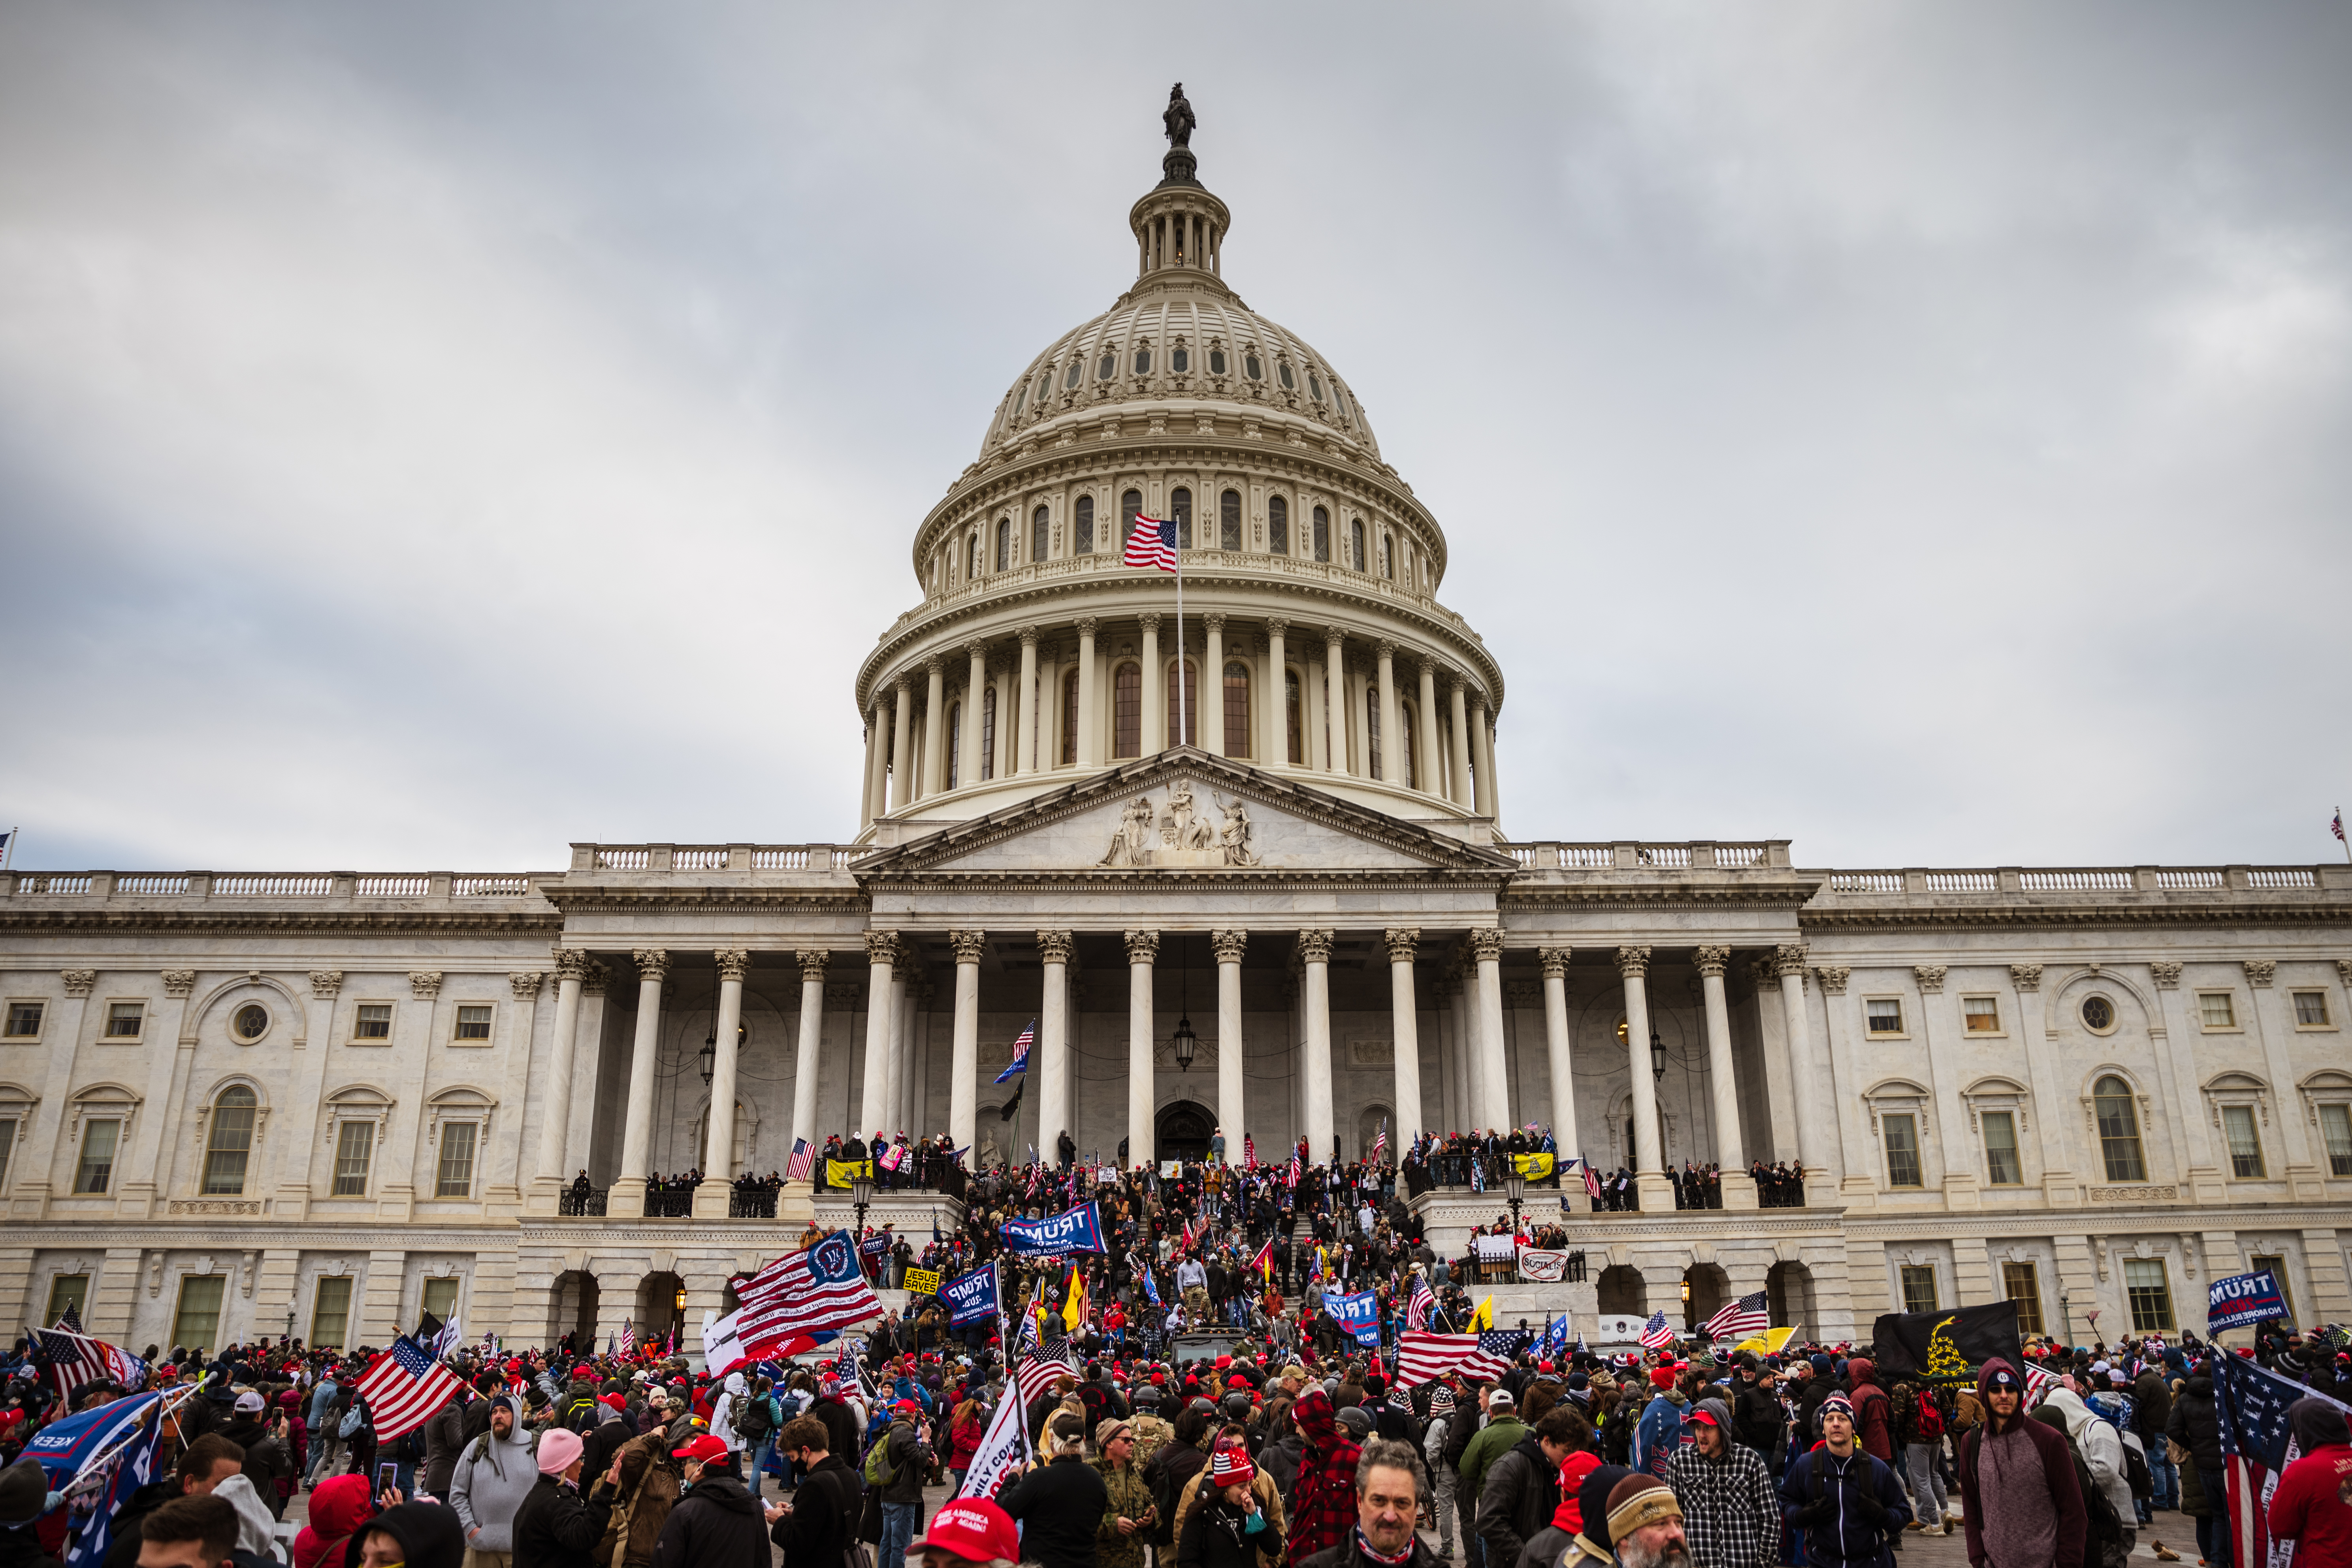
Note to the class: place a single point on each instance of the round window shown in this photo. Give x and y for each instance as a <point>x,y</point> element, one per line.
<point>1216,362</point>
<point>1180,360</point>
<point>252,1021</point>
<point>1252,369</point>
<point>2098,1015</point>
<point>1284,372</point>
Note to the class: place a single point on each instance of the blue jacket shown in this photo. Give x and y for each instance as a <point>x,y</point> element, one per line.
<point>1659,1434</point>
<point>1846,1539</point>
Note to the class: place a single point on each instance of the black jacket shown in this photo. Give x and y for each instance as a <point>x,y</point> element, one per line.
<point>123,1551</point>
<point>902,1447</point>
<point>1756,1417</point>
<point>2195,1424</point>
<point>823,1522</point>
<point>1061,1506</point>
<point>1216,1534</point>
<point>842,1439</point>
<point>716,1525</point>
<point>1345,1555</point>
<point>1520,1494</point>
<point>556,1527</point>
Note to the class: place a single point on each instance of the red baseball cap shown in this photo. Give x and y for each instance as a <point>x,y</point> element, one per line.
<point>974,1529</point>
<point>1706,1415</point>
<point>705,1447</point>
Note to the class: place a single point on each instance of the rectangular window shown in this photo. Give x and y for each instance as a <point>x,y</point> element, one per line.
<point>2003,1168</point>
<point>330,1312</point>
<point>1918,1286</point>
<point>198,1323</point>
<point>2245,1145</point>
<point>1070,719</point>
<point>1277,526</point>
<point>2335,1127</point>
<point>2150,1297</point>
<point>25,1019</point>
<point>2215,1011</point>
<point>441,1298</point>
<point>373,1023</point>
<point>124,1019</point>
<point>69,1292</point>
<point>7,1149</point>
<point>474,1022</point>
<point>2277,1266</point>
<point>1296,732</point>
<point>1238,709</point>
<point>2311,1009</point>
<point>1982,1013</point>
<point>354,1147</point>
<point>228,1148</point>
<point>1902,1150</point>
<point>456,1174</point>
<point>1886,1014</point>
<point>1127,711</point>
<point>96,1171</point>
<point>2021,1283</point>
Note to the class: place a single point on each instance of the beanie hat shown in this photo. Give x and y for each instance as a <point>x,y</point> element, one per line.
<point>1821,1364</point>
<point>24,1493</point>
<point>1637,1500</point>
<point>1838,1402</point>
<point>556,1449</point>
<point>1230,1466</point>
<point>1661,1377</point>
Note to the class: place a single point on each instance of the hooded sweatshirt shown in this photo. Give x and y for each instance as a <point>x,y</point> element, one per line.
<point>1871,1409</point>
<point>337,1508</point>
<point>2310,1506</point>
<point>429,1536</point>
<point>491,1478</point>
<point>2017,1486</point>
<point>1660,1432</point>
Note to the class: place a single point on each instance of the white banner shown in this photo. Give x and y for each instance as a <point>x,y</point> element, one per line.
<point>1496,1249</point>
<point>1540,1266</point>
<point>722,1347</point>
<point>1004,1446</point>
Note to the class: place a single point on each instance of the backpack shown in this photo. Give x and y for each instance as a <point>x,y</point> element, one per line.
<point>1930,1418</point>
<point>753,1417</point>
<point>2135,1471</point>
<point>880,1471</point>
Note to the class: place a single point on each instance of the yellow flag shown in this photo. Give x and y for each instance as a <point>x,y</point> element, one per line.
<point>1534,1167</point>
<point>1073,1311</point>
<point>1484,1318</point>
<point>1765,1343</point>
<point>840,1173</point>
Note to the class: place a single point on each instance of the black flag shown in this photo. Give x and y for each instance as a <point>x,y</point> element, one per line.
<point>428,1331</point>
<point>1943,1347</point>
<point>1012,1107</point>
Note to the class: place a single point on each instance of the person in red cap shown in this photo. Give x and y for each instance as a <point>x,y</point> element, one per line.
<point>716,1522</point>
<point>968,1532</point>
<point>897,1468</point>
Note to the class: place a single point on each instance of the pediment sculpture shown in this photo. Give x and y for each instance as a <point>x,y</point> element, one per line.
<point>1181,835</point>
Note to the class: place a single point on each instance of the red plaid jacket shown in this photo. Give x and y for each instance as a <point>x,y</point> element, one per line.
<point>1324,1511</point>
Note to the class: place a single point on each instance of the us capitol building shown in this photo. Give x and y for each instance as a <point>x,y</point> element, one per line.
<point>231,1102</point>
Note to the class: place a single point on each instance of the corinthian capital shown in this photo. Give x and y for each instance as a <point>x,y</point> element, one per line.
<point>2025,977</point>
<point>2260,971</point>
<point>1554,961</point>
<point>325,983</point>
<point>526,984</point>
<point>1632,962</point>
<point>1930,977</point>
<point>1315,946</point>
<point>1055,946</point>
<point>424,984</point>
<point>78,981</point>
<point>571,964</point>
<point>179,981</point>
<point>1403,942</point>
<point>1789,959</point>
<point>1142,946</point>
<point>1230,946</point>
<point>2168,975</point>
<point>653,963</point>
<point>1834,978</point>
<point>1711,960</point>
<point>733,963</point>
<point>813,961</point>
<point>970,946</point>
<point>1486,945</point>
<point>882,948</point>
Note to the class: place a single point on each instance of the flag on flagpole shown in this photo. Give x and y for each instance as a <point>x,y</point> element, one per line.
<point>2337,827</point>
<point>802,1160</point>
<point>1655,1333</point>
<point>1074,1309</point>
<point>1484,1318</point>
<point>1379,1141</point>
<point>2257,1444</point>
<point>1262,1264</point>
<point>1422,1357</point>
<point>628,1336</point>
<point>1422,1301</point>
<point>75,1358</point>
<point>1151,543</point>
<point>1021,1044</point>
<point>1740,1317</point>
<point>1005,1445</point>
<point>404,1386</point>
<point>808,1292</point>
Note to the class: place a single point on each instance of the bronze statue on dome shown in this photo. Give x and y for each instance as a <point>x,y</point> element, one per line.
<point>1179,118</point>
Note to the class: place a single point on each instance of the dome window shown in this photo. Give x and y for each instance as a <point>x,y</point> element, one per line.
<point>1277,525</point>
<point>1216,362</point>
<point>1180,360</point>
<point>1143,361</point>
<point>1250,368</point>
<point>1322,534</point>
<point>1180,508</point>
<point>1021,402</point>
<point>1108,368</point>
<point>1070,377</point>
<point>1282,372</point>
<point>1082,525</point>
<point>1314,385</point>
<point>1044,385</point>
<point>1356,543</point>
<point>1229,520</point>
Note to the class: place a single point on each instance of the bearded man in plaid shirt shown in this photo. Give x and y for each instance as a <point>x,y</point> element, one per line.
<point>1731,1516</point>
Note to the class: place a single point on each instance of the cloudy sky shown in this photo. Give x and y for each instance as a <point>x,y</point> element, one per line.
<point>433,434</point>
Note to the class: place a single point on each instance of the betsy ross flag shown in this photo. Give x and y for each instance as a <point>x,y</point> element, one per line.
<point>1151,543</point>
<point>1655,1333</point>
<point>1422,1357</point>
<point>812,1293</point>
<point>75,1358</point>
<point>404,1386</point>
<point>1740,1318</point>
<point>1423,1302</point>
<point>1021,1044</point>
<point>801,1161</point>
<point>2257,1444</point>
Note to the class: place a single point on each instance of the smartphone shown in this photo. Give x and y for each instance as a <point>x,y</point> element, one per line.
<point>385,1474</point>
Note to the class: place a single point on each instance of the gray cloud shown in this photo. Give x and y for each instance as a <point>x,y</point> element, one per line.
<point>430,435</point>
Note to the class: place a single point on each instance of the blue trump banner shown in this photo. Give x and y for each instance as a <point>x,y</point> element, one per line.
<point>1359,1314</point>
<point>970,1297</point>
<point>2242,1300</point>
<point>1078,1230</point>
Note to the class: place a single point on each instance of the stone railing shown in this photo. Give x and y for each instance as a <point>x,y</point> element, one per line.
<point>1636,855</point>
<point>2002,880</point>
<point>668,859</point>
<point>330,886</point>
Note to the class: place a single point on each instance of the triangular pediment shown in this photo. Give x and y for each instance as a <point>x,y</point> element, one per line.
<point>1185,812</point>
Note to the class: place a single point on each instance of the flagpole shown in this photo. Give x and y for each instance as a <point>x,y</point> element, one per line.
<point>1183,726</point>
<point>1180,598</point>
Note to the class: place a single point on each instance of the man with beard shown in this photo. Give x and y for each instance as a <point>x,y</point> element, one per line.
<point>1646,1524</point>
<point>2017,1482</point>
<point>1845,1500</point>
<point>1386,1502</point>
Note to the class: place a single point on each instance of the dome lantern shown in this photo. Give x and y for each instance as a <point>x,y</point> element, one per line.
<point>1179,226</point>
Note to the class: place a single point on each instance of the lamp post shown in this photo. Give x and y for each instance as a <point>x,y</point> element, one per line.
<point>1687,1311</point>
<point>1514,1187</point>
<point>289,1322</point>
<point>1657,1057</point>
<point>2066,1316</point>
<point>861,1193</point>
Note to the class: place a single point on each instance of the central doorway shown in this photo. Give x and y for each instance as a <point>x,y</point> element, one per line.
<point>1182,1131</point>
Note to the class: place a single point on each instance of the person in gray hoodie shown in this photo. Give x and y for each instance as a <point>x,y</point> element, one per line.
<point>493,1476</point>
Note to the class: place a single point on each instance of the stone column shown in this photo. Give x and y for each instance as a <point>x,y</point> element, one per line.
<point>555,1111</point>
<point>1211,726</point>
<point>719,1170</point>
<point>645,1067</point>
<point>2200,1174</point>
<point>1481,742</point>
<point>881,963</point>
<point>1558,1049</point>
<point>1275,752</point>
<point>1026,736</point>
<point>1335,699</point>
<point>805,1065</point>
<point>1649,1160</point>
<point>1054,947</point>
<point>1486,943</point>
<point>1815,1147</point>
<point>1230,946</point>
<point>870,801</point>
<point>1314,953</point>
<point>1857,1146</point>
<point>1089,740</point>
<point>935,727</point>
<point>1155,691</point>
<point>1390,765</point>
<point>1431,769</point>
<point>975,683</point>
<point>963,1103</point>
<point>904,997</point>
<point>1461,759</point>
<point>1142,948</point>
<point>1738,1187</point>
<point>2273,1028</point>
<point>1403,944</point>
<point>902,771</point>
<point>1465,1033</point>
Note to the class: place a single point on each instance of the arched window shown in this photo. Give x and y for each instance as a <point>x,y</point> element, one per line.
<point>1108,366</point>
<point>1185,724</point>
<point>2111,1099</point>
<point>1322,534</point>
<point>1143,361</point>
<point>1277,525</point>
<point>1372,727</point>
<point>1070,377</point>
<point>1127,711</point>
<point>1180,508</point>
<point>1356,543</point>
<point>1237,713</point>
<point>1003,543</point>
<point>1082,526</point>
<point>1130,505</point>
<point>1412,761</point>
<point>988,732</point>
<point>1229,520</point>
<point>228,1143</point>
<point>1037,534</point>
<point>1070,718</point>
<point>971,572</point>
<point>955,740</point>
<point>1292,721</point>
<point>1388,559</point>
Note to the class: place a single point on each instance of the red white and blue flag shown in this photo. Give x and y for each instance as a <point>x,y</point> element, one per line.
<point>1151,543</point>
<point>1739,1318</point>
<point>1655,1333</point>
<point>1422,1357</point>
<point>2337,827</point>
<point>2257,1445</point>
<point>1379,1142</point>
<point>75,1359</point>
<point>809,1292</point>
<point>404,1387</point>
<point>1021,1044</point>
<point>628,1336</point>
<point>802,1160</point>
<point>1423,1302</point>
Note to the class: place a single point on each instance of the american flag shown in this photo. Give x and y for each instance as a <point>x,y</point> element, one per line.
<point>849,1369</point>
<point>1423,1302</point>
<point>404,1386</point>
<point>1739,1318</point>
<point>1655,1333</point>
<point>1249,1153</point>
<point>1294,1167</point>
<point>801,1161</point>
<point>1504,1342</point>
<point>2337,827</point>
<point>1037,1371</point>
<point>1379,1141</point>
<point>2257,1445</point>
<point>1151,543</point>
<point>809,1292</point>
<point>1021,1044</point>
<point>75,1359</point>
<point>628,1336</point>
<point>1422,1357</point>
